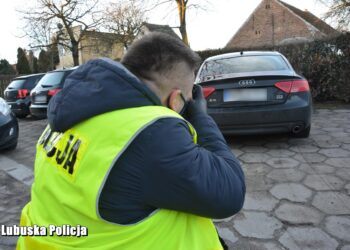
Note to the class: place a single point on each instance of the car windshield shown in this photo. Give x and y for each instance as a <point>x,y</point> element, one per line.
<point>16,84</point>
<point>242,64</point>
<point>51,79</point>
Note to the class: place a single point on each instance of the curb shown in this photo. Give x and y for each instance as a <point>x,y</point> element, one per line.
<point>18,171</point>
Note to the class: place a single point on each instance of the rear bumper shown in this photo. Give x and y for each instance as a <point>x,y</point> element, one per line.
<point>279,118</point>
<point>20,107</point>
<point>8,131</point>
<point>38,110</point>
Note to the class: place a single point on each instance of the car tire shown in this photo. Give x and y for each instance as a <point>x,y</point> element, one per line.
<point>302,134</point>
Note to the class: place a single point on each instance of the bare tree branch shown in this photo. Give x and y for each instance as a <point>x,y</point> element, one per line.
<point>125,20</point>
<point>182,7</point>
<point>338,12</point>
<point>42,19</point>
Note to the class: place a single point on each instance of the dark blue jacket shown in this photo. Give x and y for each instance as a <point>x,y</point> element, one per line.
<point>162,167</point>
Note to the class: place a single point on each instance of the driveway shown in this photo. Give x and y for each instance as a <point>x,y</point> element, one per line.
<point>298,190</point>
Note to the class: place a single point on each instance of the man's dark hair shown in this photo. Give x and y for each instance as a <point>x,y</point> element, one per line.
<point>157,53</point>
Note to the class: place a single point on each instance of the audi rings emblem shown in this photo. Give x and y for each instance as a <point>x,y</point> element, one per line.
<point>246,83</point>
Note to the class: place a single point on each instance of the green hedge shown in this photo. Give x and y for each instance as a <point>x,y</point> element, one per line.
<point>325,63</point>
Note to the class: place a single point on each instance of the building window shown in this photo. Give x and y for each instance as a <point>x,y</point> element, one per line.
<point>257,32</point>
<point>268,6</point>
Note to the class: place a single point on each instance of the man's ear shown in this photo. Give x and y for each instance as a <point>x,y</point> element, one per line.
<point>175,102</point>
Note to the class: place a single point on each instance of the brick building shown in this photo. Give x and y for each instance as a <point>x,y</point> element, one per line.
<point>274,22</point>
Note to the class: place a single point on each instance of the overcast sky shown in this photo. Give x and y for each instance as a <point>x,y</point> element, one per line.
<point>206,29</point>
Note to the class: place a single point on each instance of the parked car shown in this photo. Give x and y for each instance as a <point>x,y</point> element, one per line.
<point>46,88</point>
<point>256,92</point>
<point>8,127</point>
<point>17,93</point>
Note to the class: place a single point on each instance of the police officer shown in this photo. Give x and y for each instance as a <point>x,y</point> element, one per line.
<point>131,154</point>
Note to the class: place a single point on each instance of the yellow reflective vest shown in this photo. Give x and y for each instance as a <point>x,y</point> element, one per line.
<point>71,169</point>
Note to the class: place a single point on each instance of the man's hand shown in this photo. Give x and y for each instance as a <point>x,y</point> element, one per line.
<point>198,104</point>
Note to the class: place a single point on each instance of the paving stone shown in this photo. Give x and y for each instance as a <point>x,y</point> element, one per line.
<point>5,218</point>
<point>342,111</point>
<point>256,168</point>
<point>310,157</point>
<point>224,220</point>
<point>261,201</point>
<point>254,149</point>
<point>277,145</point>
<point>272,246</point>
<point>291,191</point>
<point>324,112</point>
<point>339,162</point>
<point>335,152</point>
<point>343,173</point>
<point>323,182</point>
<point>316,168</point>
<point>334,203</point>
<point>328,144</point>
<point>257,183</point>
<point>300,141</point>
<point>286,175</point>
<point>254,157</point>
<point>339,227</point>
<point>246,224</point>
<point>345,139</point>
<point>18,171</point>
<point>237,152</point>
<point>298,214</point>
<point>261,245</point>
<point>346,187</point>
<point>333,129</point>
<point>347,247</point>
<point>322,138</point>
<point>307,238</point>
<point>280,152</point>
<point>254,140</point>
<point>317,131</point>
<point>9,241</point>
<point>341,135</point>
<point>346,146</point>
<point>227,234</point>
<point>304,148</point>
<point>282,162</point>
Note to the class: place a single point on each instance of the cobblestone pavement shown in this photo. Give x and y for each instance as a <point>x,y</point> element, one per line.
<point>298,190</point>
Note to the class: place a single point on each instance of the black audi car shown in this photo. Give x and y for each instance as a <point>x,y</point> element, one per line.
<point>17,93</point>
<point>255,93</point>
<point>46,88</point>
<point>8,127</point>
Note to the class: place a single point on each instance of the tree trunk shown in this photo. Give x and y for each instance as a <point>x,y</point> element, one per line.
<point>75,53</point>
<point>181,5</point>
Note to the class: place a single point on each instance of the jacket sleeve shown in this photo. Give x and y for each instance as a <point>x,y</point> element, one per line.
<point>204,179</point>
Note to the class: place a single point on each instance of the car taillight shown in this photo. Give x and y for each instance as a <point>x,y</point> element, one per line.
<point>207,91</point>
<point>293,86</point>
<point>22,93</point>
<point>53,92</point>
<point>300,86</point>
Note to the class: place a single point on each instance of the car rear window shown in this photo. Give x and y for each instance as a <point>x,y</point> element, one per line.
<point>242,64</point>
<point>16,84</point>
<point>31,82</point>
<point>52,79</point>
